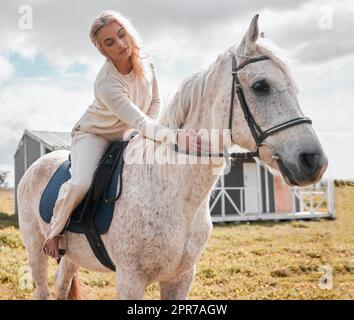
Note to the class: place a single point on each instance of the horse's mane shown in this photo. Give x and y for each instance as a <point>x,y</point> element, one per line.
<point>189,93</point>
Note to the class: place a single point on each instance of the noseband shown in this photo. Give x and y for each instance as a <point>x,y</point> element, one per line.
<point>258,134</point>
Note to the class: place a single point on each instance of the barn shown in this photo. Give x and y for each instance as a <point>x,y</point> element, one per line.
<point>247,192</point>
<point>33,145</point>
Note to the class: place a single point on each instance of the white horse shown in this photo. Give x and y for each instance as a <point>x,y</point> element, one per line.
<point>161,225</point>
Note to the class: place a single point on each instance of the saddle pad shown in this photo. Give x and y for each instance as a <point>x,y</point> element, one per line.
<point>102,218</point>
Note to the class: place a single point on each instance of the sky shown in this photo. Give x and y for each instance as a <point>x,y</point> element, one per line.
<point>48,64</point>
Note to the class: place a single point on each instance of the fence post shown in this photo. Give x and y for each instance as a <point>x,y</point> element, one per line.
<point>259,189</point>
<point>293,199</point>
<point>330,198</point>
<point>222,196</point>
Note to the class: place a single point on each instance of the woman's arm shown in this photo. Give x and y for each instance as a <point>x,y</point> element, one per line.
<point>114,96</point>
<point>154,109</point>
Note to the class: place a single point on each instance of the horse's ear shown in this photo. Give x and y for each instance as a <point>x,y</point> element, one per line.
<point>248,43</point>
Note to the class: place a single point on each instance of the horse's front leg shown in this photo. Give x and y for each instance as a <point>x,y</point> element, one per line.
<point>129,284</point>
<point>63,280</point>
<point>178,289</point>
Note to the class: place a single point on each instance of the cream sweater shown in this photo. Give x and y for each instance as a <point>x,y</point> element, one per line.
<point>124,102</point>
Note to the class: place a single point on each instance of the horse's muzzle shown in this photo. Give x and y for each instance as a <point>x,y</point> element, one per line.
<point>307,168</point>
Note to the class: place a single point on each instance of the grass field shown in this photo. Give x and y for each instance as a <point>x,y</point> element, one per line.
<point>242,261</point>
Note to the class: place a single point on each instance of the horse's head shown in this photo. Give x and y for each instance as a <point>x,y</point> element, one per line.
<point>271,97</point>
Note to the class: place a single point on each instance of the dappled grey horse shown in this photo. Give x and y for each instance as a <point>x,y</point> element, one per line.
<point>161,222</point>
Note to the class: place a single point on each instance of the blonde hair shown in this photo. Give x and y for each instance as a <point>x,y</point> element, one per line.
<point>109,16</point>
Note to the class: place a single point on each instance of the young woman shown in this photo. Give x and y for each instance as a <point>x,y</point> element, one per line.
<point>126,96</point>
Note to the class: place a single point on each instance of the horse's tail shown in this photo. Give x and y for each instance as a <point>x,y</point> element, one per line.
<point>74,293</point>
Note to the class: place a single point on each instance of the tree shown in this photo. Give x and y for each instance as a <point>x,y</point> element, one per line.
<point>3,178</point>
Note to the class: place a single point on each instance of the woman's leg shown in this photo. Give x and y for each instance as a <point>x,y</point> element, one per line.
<point>86,152</point>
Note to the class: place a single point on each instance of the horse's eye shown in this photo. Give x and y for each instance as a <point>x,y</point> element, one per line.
<point>261,87</point>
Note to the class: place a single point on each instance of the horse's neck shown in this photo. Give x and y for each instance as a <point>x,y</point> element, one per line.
<point>193,183</point>
<point>197,104</point>
<point>195,180</point>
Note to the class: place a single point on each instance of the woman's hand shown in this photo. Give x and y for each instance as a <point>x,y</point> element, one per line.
<point>191,141</point>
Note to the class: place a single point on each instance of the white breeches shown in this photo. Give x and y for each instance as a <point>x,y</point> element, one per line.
<point>87,150</point>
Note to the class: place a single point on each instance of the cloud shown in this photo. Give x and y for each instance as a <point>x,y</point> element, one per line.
<point>61,32</point>
<point>7,70</point>
<point>317,32</point>
<point>340,162</point>
<point>47,73</point>
<point>39,104</point>
<point>193,31</point>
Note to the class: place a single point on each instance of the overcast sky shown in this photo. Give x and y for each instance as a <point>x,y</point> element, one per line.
<point>47,72</point>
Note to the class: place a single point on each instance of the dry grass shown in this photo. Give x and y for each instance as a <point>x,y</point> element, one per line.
<point>7,201</point>
<point>246,261</point>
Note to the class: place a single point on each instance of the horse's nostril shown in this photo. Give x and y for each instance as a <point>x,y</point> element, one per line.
<point>309,161</point>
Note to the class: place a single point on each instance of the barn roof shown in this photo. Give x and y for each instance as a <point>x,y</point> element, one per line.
<point>52,140</point>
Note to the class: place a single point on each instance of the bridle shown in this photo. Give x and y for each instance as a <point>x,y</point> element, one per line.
<point>258,134</point>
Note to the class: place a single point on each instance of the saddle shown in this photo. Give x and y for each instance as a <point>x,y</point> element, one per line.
<point>93,215</point>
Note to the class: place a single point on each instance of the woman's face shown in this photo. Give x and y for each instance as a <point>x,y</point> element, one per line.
<point>114,41</point>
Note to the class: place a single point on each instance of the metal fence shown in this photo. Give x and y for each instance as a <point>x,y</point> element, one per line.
<point>316,201</point>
